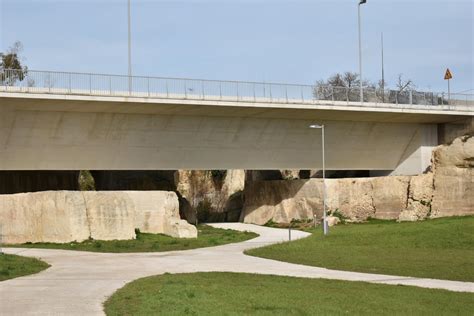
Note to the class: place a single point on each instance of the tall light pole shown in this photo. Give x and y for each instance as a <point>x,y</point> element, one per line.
<point>325,223</point>
<point>360,53</point>
<point>129,50</point>
<point>383,73</point>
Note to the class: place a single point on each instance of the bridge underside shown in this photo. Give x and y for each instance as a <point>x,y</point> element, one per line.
<point>77,133</point>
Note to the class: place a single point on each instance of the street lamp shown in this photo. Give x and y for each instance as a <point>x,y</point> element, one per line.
<point>325,223</point>
<point>129,50</point>
<point>360,54</point>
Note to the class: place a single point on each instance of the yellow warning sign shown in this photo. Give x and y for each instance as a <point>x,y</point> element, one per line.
<point>448,75</point>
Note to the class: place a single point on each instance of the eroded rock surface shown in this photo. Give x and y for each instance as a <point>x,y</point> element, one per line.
<point>217,191</point>
<point>446,190</point>
<point>49,216</point>
<point>453,183</point>
<point>65,216</point>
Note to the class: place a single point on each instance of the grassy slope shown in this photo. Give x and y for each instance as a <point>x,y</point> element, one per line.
<point>248,294</point>
<point>207,237</point>
<point>438,248</point>
<point>12,266</point>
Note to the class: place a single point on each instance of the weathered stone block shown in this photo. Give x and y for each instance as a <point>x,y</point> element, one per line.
<point>50,216</point>
<point>390,196</point>
<point>111,215</point>
<point>453,192</point>
<point>65,216</point>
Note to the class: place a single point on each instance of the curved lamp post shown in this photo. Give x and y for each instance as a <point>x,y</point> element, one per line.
<point>325,223</point>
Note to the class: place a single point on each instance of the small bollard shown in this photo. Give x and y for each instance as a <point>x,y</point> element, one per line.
<point>289,232</point>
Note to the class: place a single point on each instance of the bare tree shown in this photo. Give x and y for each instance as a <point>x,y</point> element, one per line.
<point>404,88</point>
<point>403,85</point>
<point>339,87</point>
<point>345,87</point>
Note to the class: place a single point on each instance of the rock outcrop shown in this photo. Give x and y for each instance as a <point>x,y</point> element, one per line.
<point>453,178</point>
<point>446,190</point>
<point>65,216</point>
<point>214,192</point>
<point>51,216</point>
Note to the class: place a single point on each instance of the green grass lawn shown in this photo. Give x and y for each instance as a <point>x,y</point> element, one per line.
<point>250,294</point>
<point>437,248</point>
<point>12,266</point>
<point>207,237</point>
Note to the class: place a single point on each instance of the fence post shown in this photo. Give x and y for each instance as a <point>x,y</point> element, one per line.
<point>148,85</point>
<point>185,90</point>
<point>286,93</point>
<point>90,83</point>
<point>202,89</point>
<point>49,82</point>
<point>254,97</point>
<point>332,92</point>
<point>237,91</point>
<point>220,89</point>
<point>110,85</point>
<point>302,96</point>
<point>411,97</point>
<point>167,89</point>
<point>70,89</point>
<point>271,97</point>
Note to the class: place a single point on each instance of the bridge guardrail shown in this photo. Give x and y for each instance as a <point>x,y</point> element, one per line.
<point>199,89</point>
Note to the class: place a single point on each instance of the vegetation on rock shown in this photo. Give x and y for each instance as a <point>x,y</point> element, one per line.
<point>86,181</point>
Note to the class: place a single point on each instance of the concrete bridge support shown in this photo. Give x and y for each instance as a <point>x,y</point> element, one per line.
<point>92,133</point>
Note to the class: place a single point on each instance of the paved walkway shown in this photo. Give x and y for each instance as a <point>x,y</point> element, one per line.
<point>77,283</point>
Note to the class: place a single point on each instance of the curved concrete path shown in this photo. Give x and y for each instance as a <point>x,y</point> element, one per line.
<point>77,283</point>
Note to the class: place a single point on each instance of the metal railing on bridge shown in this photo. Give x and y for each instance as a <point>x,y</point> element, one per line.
<point>198,89</point>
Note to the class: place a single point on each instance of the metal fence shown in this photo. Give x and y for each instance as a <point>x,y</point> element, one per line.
<point>198,89</point>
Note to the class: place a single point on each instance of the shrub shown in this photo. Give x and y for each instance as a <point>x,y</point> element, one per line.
<point>203,210</point>
<point>86,181</point>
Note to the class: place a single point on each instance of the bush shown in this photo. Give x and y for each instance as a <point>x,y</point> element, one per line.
<point>338,214</point>
<point>203,210</point>
<point>86,181</point>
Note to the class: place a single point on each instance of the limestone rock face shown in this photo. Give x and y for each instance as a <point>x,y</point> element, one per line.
<point>420,195</point>
<point>352,197</point>
<point>152,211</point>
<point>390,196</point>
<point>281,201</point>
<point>65,216</point>
<point>201,186</point>
<point>111,215</point>
<point>446,190</point>
<point>453,168</point>
<point>49,216</point>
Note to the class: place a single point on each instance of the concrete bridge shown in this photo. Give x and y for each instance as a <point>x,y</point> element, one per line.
<point>71,121</point>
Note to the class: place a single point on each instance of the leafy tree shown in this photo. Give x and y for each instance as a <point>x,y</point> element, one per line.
<point>11,67</point>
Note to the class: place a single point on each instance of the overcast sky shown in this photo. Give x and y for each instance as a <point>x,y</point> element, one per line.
<point>256,40</point>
